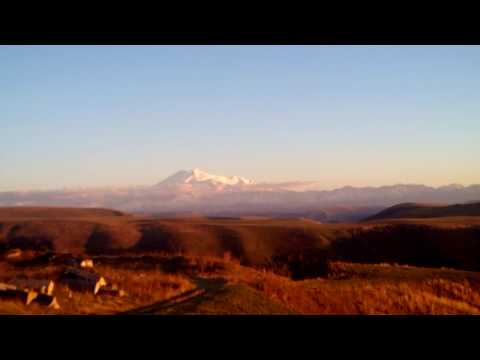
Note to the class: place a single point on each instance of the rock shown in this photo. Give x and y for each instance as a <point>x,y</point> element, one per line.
<point>9,291</point>
<point>87,263</point>
<point>83,280</point>
<point>112,290</point>
<point>13,254</point>
<point>42,286</point>
<point>47,300</point>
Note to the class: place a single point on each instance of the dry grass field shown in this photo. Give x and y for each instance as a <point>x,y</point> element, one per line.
<point>200,285</point>
<point>247,266</point>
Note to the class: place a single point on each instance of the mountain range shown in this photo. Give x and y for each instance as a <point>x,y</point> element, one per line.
<point>198,192</point>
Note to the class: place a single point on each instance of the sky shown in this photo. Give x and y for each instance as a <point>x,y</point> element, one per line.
<point>93,116</point>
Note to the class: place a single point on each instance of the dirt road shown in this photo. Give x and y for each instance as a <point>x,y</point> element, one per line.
<point>206,288</point>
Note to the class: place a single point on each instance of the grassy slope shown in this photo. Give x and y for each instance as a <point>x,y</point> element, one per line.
<point>143,286</point>
<point>349,289</point>
<point>235,299</point>
<point>374,289</point>
<point>294,244</point>
<point>414,210</point>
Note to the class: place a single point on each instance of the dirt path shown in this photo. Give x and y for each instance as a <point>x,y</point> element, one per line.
<point>206,288</point>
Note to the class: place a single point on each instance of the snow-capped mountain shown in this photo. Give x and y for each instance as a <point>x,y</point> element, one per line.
<point>199,178</point>
<point>198,191</point>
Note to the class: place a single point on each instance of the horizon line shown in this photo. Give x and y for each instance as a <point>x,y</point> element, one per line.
<point>115,187</point>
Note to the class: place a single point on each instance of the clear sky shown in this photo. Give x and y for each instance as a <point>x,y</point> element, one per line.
<point>343,115</point>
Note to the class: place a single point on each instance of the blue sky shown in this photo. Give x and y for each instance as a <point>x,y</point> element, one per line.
<point>343,115</point>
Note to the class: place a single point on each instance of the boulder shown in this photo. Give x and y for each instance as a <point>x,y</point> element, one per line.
<point>47,300</point>
<point>40,285</point>
<point>112,290</point>
<point>83,280</point>
<point>13,254</point>
<point>12,292</point>
<point>87,263</point>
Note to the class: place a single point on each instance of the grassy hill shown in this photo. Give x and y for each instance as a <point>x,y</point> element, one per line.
<point>203,285</point>
<point>234,299</point>
<point>55,213</point>
<point>291,247</point>
<point>414,210</point>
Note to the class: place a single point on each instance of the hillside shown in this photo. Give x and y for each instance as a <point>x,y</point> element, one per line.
<point>248,265</point>
<point>226,299</point>
<point>414,210</point>
<point>205,285</point>
<point>15,213</point>
<point>293,247</point>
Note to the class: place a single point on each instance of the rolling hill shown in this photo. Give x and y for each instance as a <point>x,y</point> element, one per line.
<point>293,247</point>
<point>25,212</point>
<point>416,210</point>
<point>202,265</point>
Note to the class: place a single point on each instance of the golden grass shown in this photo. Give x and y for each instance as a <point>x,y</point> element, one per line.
<point>349,288</point>
<point>369,289</point>
<point>147,285</point>
<point>142,288</point>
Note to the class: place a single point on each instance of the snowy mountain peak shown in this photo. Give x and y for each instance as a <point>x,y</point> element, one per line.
<point>198,176</point>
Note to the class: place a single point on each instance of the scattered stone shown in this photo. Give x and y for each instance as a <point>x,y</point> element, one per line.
<point>4,287</point>
<point>76,261</point>
<point>13,254</point>
<point>36,260</point>
<point>39,285</point>
<point>8,291</point>
<point>112,290</point>
<point>83,280</point>
<point>47,300</point>
<point>87,263</point>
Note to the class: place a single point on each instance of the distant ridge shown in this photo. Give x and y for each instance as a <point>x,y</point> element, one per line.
<point>417,210</point>
<point>55,212</point>
<point>201,193</point>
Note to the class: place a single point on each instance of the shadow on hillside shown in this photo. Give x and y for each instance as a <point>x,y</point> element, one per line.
<point>301,256</point>
<point>231,242</point>
<point>99,242</point>
<point>111,240</point>
<point>413,244</point>
<point>157,238</point>
<point>27,241</point>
